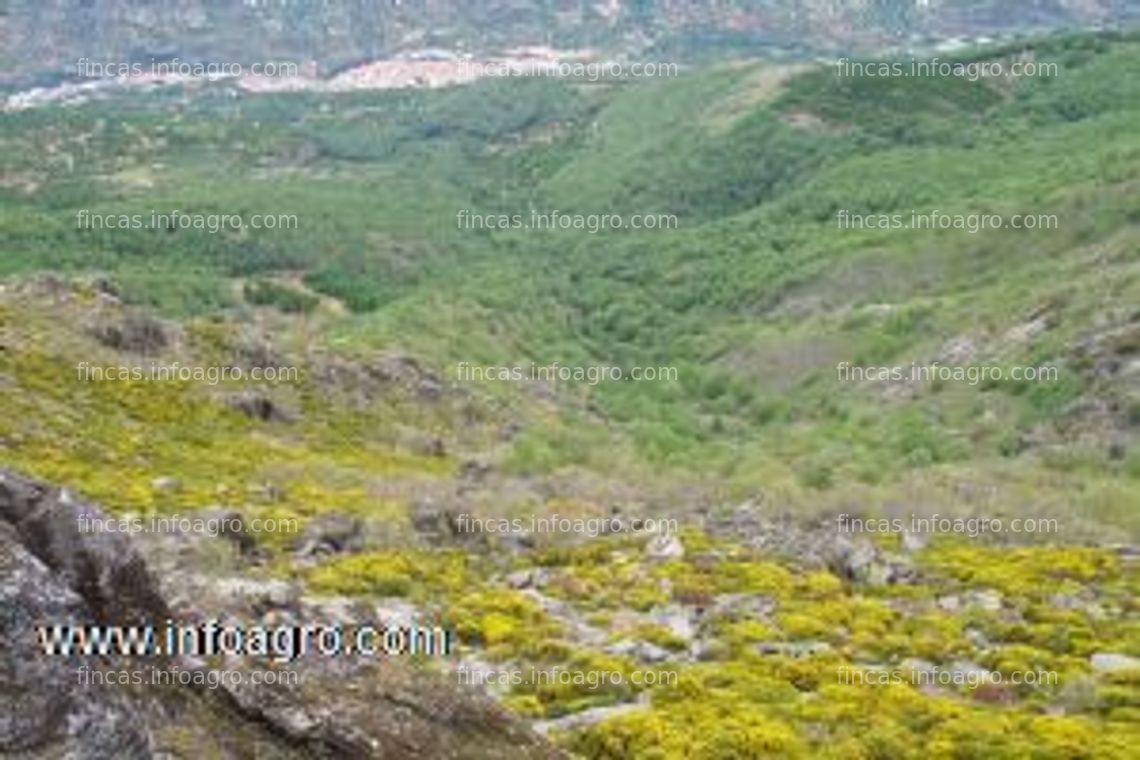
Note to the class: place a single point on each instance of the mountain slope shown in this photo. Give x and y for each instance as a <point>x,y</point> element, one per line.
<point>755,299</point>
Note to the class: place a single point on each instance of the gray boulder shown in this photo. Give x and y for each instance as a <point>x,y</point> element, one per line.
<point>101,567</point>
<point>44,711</point>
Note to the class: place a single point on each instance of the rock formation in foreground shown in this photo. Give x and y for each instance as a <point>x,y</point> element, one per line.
<point>52,573</point>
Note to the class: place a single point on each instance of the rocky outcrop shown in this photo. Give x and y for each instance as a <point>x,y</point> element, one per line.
<point>136,333</point>
<point>43,711</point>
<point>63,533</point>
<point>53,572</point>
<point>258,406</point>
<point>818,542</point>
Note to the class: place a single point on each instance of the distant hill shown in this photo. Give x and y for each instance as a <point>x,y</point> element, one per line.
<point>41,36</point>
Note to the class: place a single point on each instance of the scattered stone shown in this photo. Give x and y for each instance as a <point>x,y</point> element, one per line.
<point>1112,662</point>
<point>966,671</point>
<point>258,406</point>
<point>479,673</point>
<point>795,649</point>
<point>408,372</point>
<point>665,547</point>
<point>474,470</point>
<point>436,522</point>
<point>950,603</point>
<point>430,389</point>
<point>586,718</point>
<point>509,431</point>
<point>331,610</point>
<point>137,333</point>
<point>709,650</point>
<point>518,542</point>
<point>879,574</point>
<point>861,562</point>
<point>977,639</point>
<point>676,619</point>
<point>1068,602</point>
<point>429,446</point>
<point>577,628</point>
<point>261,595</point>
<point>166,484</point>
<point>267,491</point>
<point>913,542</point>
<point>227,520</point>
<point>1127,553</point>
<point>535,577</point>
<point>1078,694</point>
<point>256,352</point>
<point>987,599</point>
<point>332,534</point>
<point>105,286</point>
<point>640,650</point>
<point>995,694</point>
<point>396,611</point>
<point>427,516</point>
<point>1038,323</point>
<point>743,606</point>
<point>917,669</point>
<point>957,351</point>
<point>853,559</point>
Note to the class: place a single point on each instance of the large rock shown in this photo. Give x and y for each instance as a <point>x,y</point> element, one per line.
<point>340,706</point>
<point>101,567</point>
<point>384,709</point>
<point>44,712</point>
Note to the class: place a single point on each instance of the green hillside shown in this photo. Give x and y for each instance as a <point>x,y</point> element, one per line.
<point>755,297</point>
